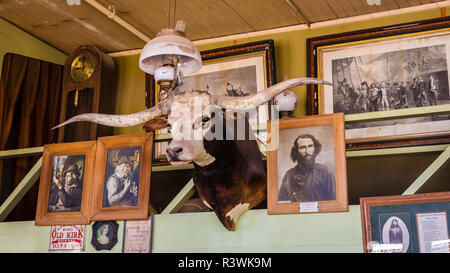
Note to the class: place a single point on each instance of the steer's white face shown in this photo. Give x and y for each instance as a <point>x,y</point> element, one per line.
<point>191,117</point>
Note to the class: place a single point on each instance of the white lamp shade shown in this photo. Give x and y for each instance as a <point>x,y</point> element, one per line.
<point>152,55</point>
<point>286,101</point>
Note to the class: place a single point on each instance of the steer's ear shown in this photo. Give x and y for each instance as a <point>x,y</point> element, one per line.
<point>156,124</point>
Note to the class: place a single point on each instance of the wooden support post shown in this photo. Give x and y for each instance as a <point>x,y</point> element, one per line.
<point>21,189</point>
<point>179,200</point>
<point>437,163</point>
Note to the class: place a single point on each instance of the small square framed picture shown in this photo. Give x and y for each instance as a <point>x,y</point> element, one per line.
<point>122,177</point>
<point>306,165</point>
<point>65,184</point>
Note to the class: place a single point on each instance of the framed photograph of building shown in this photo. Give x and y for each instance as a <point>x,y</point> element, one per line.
<point>122,177</point>
<point>306,168</point>
<point>65,184</point>
<point>238,70</point>
<point>417,223</point>
<point>401,72</point>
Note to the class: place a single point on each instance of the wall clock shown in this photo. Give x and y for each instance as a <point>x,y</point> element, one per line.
<point>88,87</point>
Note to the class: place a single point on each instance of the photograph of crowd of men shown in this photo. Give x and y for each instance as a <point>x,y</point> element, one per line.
<point>393,80</point>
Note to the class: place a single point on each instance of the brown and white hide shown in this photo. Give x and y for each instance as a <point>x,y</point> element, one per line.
<point>236,181</point>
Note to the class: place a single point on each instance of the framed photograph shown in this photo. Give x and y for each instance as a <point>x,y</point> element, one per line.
<point>385,69</point>
<point>122,177</point>
<point>65,184</point>
<point>417,223</point>
<point>307,172</point>
<point>238,70</point>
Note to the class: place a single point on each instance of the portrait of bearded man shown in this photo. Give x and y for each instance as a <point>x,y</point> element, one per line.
<point>308,181</point>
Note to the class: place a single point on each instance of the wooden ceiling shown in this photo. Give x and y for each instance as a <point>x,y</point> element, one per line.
<point>66,27</point>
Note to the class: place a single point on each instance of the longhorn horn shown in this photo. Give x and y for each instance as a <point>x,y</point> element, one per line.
<point>254,100</point>
<point>120,120</point>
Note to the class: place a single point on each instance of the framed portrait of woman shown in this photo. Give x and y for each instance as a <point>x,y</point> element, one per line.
<point>122,178</point>
<point>65,184</point>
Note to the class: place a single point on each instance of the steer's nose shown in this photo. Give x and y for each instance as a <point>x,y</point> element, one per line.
<point>174,153</point>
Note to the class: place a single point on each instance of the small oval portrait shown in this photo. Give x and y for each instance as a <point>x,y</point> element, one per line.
<point>395,231</point>
<point>104,235</point>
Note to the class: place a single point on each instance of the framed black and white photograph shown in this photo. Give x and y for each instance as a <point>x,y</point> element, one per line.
<point>385,69</point>
<point>307,171</point>
<point>238,70</point>
<point>122,177</point>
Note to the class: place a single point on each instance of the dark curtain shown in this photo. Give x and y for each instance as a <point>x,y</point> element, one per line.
<point>30,99</point>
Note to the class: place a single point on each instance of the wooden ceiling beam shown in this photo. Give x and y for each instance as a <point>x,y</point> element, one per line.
<point>296,10</point>
<point>113,16</point>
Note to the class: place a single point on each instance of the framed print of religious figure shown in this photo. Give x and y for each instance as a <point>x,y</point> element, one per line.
<point>122,177</point>
<point>306,166</point>
<point>65,184</point>
<point>416,223</point>
<point>237,70</point>
<point>391,82</point>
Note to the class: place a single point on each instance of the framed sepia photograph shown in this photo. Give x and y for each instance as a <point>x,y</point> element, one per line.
<point>417,223</point>
<point>65,184</point>
<point>122,177</point>
<point>400,70</point>
<point>238,70</point>
<point>307,170</point>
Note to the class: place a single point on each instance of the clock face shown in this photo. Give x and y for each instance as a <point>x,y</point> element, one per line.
<point>82,67</point>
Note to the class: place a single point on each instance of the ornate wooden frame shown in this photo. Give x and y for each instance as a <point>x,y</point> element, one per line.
<point>314,46</point>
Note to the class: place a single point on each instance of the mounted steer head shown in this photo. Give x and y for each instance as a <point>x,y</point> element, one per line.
<point>228,172</point>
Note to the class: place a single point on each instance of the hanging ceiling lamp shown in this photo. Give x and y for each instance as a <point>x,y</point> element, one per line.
<point>169,57</point>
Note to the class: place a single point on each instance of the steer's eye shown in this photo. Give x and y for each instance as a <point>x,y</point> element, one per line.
<point>201,122</point>
<point>205,119</point>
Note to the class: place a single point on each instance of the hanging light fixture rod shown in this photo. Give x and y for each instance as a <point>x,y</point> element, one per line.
<point>113,16</point>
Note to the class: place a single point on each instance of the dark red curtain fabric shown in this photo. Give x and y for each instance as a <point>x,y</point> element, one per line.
<point>30,99</point>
